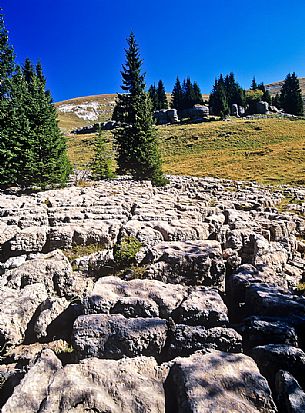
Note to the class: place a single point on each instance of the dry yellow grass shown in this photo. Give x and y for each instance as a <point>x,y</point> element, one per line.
<point>266,150</point>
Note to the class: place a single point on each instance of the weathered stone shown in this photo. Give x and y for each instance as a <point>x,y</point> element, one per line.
<point>217,382</point>
<point>105,386</point>
<point>17,309</point>
<point>30,393</point>
<point>185,340</point>
<point>114,336</point>
<point>270,301</point>
<point>274,357</point>
<point>258,332</point>
<point>203,306</point>
<point>290,396</point>
<point>148,297</point>
<point>54,271</point>
<point>30,239</point>
<point>190,262</point>
<point>262,108</point>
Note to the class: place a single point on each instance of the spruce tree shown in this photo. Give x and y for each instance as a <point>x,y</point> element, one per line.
<point>266,94</point>
<point>197,94</point>
<point>161,96</point>
<point>152,92</point>
<point>218,100</point>
<point>136,139</point>
<point>177,96</point>
<point>291,96</point>
<point>102,163</point>
<point>7,59</point>
<point>253,84</point>
<point>235,94</point>
<point>276,101</point>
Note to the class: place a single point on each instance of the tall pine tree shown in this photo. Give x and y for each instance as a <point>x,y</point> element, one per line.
<point>161,96</point>
<point>136,139</point>
<point>218,99</point>
<point>177,96</point>
<point>291,96</point>
<point>152,92</point>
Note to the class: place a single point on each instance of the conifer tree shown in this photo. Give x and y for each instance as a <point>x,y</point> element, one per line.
<point>235,94</point>
<point>177,96</point>
<point>276,101</point>
<point>102,163</point>
<point>291,96</point>
<point>161,96</point>
<point>136,139</point>
<point>253,84</point>
<point>266,94</point>
<point>152,91</point>
<point>7,58</point>
<point>197,94</point>
<point>218,100</point>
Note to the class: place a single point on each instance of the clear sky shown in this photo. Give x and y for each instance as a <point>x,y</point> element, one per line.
<point>81,42</point>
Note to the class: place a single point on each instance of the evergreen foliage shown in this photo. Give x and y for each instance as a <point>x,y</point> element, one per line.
<point>276,101</point>
<point>177,96</point>
<point>235,94</point>
<point>161,96</point>
<point>253,84</point>
<point>138,152</point>
<point>152,92</point>
<point>266,94</point>
<point>102,163</point>
<point>187,95</point>
<point>218,101</point>
<point>291,96</point>
<point>158,96</point>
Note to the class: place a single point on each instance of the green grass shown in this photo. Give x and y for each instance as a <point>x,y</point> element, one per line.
<point>270,151</point>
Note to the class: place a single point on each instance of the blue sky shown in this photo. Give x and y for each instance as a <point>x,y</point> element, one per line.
<point>81,43</point>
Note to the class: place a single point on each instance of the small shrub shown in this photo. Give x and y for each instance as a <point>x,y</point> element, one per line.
<point>126,250</point>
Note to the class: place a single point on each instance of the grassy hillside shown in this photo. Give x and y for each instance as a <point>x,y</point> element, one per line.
<point>267,150</point>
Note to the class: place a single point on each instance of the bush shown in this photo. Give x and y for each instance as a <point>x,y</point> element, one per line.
<point>126,250</point>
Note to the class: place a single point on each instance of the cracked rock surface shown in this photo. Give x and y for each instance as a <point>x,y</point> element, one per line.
<point>203,313</point>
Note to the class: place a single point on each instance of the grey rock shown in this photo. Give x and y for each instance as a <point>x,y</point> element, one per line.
<point>17,309</point>
<point>32,390</point>
<point>290,396</point>
<point>203,306</point>
<point>54,270</point>
<point>262,108</point>
<point>190,262</point>
<point>114,336</point>
<point>136,297</point>
<point>105,386</point>
<point>218,382</point>
<point>274,357</point>
<point>186,340</point>
<point>30,239</point>
<point>259,332</point>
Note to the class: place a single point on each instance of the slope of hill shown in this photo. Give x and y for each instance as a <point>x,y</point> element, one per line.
<point>275,87</point>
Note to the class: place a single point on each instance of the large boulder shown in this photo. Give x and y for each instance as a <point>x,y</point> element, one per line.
<point>217,382</point>
<point>290,395</point>
<point>262,108</point>
<point>127,385</point>
<point>186,340</point>
<point>135,298</point>
<point>189,262</point>
<point>17,309</point>
<point>114,336</point>
<point>274,357</point>
<point>54,271</point>
<point>33,388</point>
<point>203,306</point>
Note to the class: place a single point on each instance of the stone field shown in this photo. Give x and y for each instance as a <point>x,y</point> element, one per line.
<point>201,312</point>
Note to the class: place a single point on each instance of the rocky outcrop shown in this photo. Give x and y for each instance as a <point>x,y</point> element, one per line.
<point>120,276</point>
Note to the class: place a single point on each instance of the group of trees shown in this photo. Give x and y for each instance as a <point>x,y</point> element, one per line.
<point>185,95</point>
<point>158,96</point>
<point>32,148</point>
<point>226,91</point>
